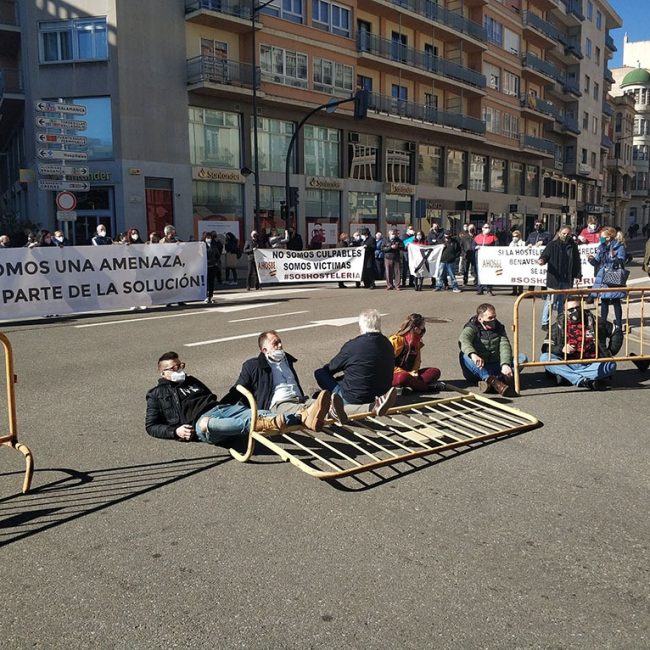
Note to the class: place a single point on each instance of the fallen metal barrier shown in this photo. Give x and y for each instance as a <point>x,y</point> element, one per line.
<point>635,346</point>
<point>368,442</point>
<point>11,439</point>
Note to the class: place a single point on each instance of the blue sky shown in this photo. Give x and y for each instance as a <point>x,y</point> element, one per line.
<point>635,15</point>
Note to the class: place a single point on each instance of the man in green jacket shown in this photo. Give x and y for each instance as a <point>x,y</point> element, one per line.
<point>485,352</point>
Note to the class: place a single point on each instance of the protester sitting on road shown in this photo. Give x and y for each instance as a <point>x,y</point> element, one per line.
<point>181,407</point>
<point>564,268</point>
<point>407,348</point>
<point>101,238</point>
<point>273,381</point>
<point>485,352</point>
<point>576,341</point>
<point>610,255</point>
<point>367,364</point>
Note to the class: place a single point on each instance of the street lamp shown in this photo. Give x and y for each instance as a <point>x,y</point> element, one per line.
<point>462,187</point>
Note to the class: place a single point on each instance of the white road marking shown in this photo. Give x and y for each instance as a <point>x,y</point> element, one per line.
<point>242,295</point>
<point>286,313</point>
<point>335,322</point>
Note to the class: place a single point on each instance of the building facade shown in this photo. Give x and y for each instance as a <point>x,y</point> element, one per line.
<point>500,104</point>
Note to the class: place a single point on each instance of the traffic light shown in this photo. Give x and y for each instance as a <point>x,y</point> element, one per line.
<point>361,98</point>
<point>293,197</point>
<point>284,212</point>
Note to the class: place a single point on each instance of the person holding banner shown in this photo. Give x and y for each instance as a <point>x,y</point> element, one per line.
<point>419,240</point>
<point>484,238</point>
<point>392,249</point>
<point>101,238</point>
<point>367,364</point>
<point>516,242</point>
<point>407,346</point>
<point>564,267</point>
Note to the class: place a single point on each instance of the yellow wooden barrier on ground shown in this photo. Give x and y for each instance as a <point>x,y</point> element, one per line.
<point>11,439</point>
<point>406,432</point>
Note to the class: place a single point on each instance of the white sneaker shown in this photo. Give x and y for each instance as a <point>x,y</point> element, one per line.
<point>384,402</point>
<point>337,410</point>
<point>456,290</point>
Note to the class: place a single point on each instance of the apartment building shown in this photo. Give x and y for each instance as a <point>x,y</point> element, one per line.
<point>500,104</point>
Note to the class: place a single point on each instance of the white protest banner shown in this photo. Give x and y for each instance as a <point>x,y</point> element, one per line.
<point>424,260</point>
<point>505,265</point>
<point>275,265</point>
<point>52,280</point>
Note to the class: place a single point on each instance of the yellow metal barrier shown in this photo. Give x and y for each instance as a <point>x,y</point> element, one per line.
<point>635,346</point>
<point>11,439</point>
<point>406,432</point>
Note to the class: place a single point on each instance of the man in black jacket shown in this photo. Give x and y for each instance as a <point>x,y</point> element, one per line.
<point>564,267</point>
<point>181,407</point>
<point>392,249</point>
<point>273,381</point>
<point>448,258</point>
<point>367,364</point>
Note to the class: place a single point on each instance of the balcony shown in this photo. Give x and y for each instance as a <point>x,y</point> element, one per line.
<point>607,109</point>
<point>431,10</point>
<point>402,108</point>
<point>605,142</point>
<point>569,12</point>
<point>539,105</point>
<point>538,144</point>
<point>9,29</point>
<point>570,124</point>
<point>573,49</point>
<point>218,13</point>
<point>609,77</point>
<point>543,27</point>
<point>531,62</point>
<point>209,74</point>
<point>609,43</point>
<point>574,8</point>
<point>11,85</point>
<point>398,53</point>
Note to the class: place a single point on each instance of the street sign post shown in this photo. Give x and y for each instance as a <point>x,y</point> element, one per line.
<point>59,107</point>
<point>66,201</point>
<point>59,154</point>
<point>47,169</point>
<point>57,186</point>
<point>60,123</point>
<point>55,138</point>
<point>66,215</point>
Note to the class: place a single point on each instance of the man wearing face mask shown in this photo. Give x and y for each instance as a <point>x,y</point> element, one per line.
<point>539,236</point>
<point>590,234</point>
<point>485,352</point>
<point>181,407</point>
<point>273,381</point>
<point>572,338</point>
<point>101,239</point>
<point>564,268</point>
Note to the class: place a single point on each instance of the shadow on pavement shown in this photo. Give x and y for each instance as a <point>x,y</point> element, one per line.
<point>77,494</point>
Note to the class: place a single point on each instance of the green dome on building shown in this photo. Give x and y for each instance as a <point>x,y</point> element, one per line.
<point>637,77</point>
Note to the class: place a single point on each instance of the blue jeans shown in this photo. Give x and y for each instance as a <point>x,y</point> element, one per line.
<point>575,372</point>
<point>325,380</point>
<point>446,269</point>
<point>473,373</point>
<point>226,421</point>
<point>556,299</point>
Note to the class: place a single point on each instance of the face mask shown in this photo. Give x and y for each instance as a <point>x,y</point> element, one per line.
<point>178,376</point>
<point>538,226</point>
<point>591,227</point>
<point>515,239</point>
<point>102,233</point>
<point>574,314</point>
<point>419,237</point>
<point>208,241</point>
<point>276,355</point>
<point>564,237</point>
<point>135,237</point>
<point>602,240</point>
<point>59,238</point>
<point>488,324</point>
<point>486,231</point>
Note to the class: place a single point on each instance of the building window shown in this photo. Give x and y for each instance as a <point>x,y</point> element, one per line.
<point>510,84</point>
<point>585,120</point>
<point>455,172</point>
<point>516,178</point>
<point>399,161</point>
<point>332,77</point>
<point>494,30</point>
<point>599,20</point>
<point>364,83</point>
<point>398,209</point>
<point>215,138</point>
<point>398,47</point>
<point>492,118</point>
<point>363,153</point>
<point>497,175</point>
<point>363,207</point>
<point>510,126</point>
<point>273,137</point>
<point>593,160</point>
<point>493,76</point>
<point>531,187</point>
<point>588,48</point>
<point>596,90</point>
<point>587,83</point>
<point>430,165</point>
<point>590,10</point>
<point>322,151</point>
<point>594,125</point>
<point>83,39</point>
<point>511,41</point>
<point>477,172</point>
<point>323,204</point>
<point>216,198</point>
<point>283,66</point>
<point>286,9</point>
<point>331,17</point>
<point>584,156</point>
<point>597,55</point>
<point>400,96</point>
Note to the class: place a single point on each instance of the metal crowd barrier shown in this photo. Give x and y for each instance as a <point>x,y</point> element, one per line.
<point>406,432</point>
<point>11,439</point>
<point>635,346</point>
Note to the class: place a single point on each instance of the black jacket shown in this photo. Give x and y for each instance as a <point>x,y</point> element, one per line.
<point>610,338</point>
<point>450,251</point>
<point>367,362</point>
<point>563,263</point>
<point>392,253</point>
<point>164,412</point>
<point>256,376</point>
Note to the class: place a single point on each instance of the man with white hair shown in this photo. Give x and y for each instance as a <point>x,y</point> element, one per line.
<point>367,364</point>
<point>251,245</point>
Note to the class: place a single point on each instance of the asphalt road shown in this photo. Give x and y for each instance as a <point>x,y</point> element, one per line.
<point>540,540</point>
